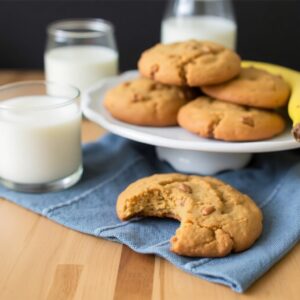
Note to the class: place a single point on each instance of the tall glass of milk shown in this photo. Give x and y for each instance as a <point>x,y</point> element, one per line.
<point>80,52</point>
<point>211,20</point>
<point>40,139</point>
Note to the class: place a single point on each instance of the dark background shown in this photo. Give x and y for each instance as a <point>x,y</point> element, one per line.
<point>267,30</point>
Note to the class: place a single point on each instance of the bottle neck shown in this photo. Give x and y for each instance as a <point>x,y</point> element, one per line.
<point>185,8</point>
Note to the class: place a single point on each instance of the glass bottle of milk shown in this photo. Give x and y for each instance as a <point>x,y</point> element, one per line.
<point>80,52</point>
<point>200,19</point>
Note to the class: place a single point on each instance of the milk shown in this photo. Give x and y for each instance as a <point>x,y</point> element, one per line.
<point>211,28</point>
<point>39,145</point>
<point>80,66</point>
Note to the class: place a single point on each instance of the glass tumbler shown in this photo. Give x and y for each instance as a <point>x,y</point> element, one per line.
<point>211,20</point>
<point>40,144</point>
<point>80,52</point>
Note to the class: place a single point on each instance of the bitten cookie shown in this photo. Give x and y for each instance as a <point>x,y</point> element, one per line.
<point>221,120</point>
<point>215,219</point>
<point>253,87</point>
<point>193,63</point>
<point>144,102</point>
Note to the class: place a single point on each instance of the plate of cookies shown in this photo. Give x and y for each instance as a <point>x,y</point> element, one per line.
<point>202,107</point>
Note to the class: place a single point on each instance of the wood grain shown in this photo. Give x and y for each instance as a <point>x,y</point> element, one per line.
<point>131,279</point>
<point>65,282</point>
<point>40,259</point>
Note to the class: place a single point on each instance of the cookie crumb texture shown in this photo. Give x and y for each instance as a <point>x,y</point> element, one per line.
<point>253,87</point>
<point>211,118</point>
<point>215,219</point>
<point>192,63</point>
<point>144,102</point>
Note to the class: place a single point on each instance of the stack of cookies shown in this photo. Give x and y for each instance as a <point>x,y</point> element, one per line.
<point>239,105</point>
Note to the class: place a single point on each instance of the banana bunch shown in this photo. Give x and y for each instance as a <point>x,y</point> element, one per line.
<point>293,79</point>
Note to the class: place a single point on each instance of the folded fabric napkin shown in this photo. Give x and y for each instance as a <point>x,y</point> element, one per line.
<point>110,164</point>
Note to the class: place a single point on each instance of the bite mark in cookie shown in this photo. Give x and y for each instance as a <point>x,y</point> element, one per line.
<point>215,219</point>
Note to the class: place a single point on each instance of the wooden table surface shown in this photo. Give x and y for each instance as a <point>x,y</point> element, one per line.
<point>40,259</point>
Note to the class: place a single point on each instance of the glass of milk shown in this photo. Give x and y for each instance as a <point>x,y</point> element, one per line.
<point>80,52</point>
<point>40,138</point>
<point>211,20</point>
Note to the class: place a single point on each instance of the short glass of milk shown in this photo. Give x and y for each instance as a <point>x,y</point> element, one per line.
<point>40,136</point>
<point>211,20</point>
<point>80,52</point>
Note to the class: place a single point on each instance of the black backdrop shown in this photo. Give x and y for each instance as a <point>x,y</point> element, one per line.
<point>268,30</point>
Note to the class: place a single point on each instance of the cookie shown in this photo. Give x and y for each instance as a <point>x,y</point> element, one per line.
<point>192,63</point>
<point>144,102</point>
<point>253,87</point>
<point>215,219</point>
<point>221,120</point>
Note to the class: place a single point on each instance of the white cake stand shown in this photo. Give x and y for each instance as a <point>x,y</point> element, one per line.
<point>185,151</point>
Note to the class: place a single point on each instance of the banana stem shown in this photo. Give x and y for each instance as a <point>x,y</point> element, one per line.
<point>296,132</point>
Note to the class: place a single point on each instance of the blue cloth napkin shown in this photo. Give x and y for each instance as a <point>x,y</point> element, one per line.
<point>110,164</point>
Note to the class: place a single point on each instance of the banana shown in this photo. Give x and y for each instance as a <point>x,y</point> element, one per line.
<point>293,79</point>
